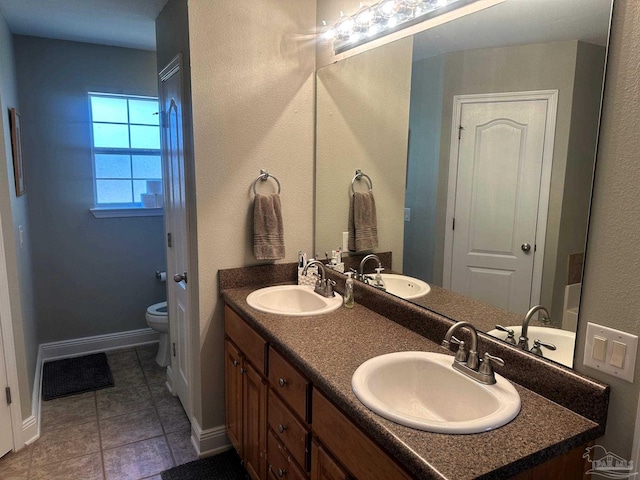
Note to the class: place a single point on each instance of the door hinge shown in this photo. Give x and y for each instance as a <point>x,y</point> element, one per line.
<point>8,392</point>
<point>460,128</point>
<point>169,239</point>
<point>535,248</point>
<point>453,226</point>
<point>173,345</point>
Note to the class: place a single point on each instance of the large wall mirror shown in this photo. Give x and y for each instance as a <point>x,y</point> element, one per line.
<point>479,138</point>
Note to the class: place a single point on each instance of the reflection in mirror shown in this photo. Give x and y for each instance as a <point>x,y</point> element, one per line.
<point>479,136</point>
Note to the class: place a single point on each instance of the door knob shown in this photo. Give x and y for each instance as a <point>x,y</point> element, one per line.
<point>525,247</point>
<point>179,278</point>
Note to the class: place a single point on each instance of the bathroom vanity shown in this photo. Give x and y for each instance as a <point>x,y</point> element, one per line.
<point>291,412</point>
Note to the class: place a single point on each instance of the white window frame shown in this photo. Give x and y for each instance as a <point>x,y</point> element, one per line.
<point>113,210</point>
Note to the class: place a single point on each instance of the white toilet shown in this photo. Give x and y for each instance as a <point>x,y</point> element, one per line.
<point>158,319</point>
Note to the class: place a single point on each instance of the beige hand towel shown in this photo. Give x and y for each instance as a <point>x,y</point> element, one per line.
<point>268,232</point>
<point>363,225</point>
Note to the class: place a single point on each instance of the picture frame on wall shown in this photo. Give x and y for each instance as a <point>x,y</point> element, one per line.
<point>16,146</point>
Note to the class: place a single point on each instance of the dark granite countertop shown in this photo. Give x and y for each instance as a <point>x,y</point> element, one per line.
<point>329,348</point>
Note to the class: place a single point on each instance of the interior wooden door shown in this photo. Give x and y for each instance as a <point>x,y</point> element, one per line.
<point>499,168</point>
<point>176,229</point>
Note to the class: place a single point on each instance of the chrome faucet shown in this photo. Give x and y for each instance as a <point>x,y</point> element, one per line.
<point>469,363</point>
<point>523,341</point>
<point>379,283</point>
<point>324,286</point>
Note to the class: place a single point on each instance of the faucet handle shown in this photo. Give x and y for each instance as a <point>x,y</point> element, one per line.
<point>537,344</point>
<point>510,334</point>
<point>486,367</point>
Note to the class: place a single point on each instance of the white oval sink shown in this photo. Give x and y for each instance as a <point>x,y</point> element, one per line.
<point>422,390</point>
<point>293,300</point>
<point>564,341</point>
<point>404,286</point>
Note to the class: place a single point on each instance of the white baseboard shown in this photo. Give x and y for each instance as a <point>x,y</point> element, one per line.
<point>98,343</point>
<point>209,442</point>
<point>74,348</point>
<point>30,430</point>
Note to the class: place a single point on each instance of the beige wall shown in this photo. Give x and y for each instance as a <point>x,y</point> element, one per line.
<point>611,289</point>
<point>252,77</point>
<point>362,123</point>
<point>13,211</point>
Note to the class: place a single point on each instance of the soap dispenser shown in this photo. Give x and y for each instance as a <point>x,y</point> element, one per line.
<point>349,301</point>
<point>379,283</point>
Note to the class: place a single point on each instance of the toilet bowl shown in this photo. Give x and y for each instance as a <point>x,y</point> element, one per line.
<point>158,319</point>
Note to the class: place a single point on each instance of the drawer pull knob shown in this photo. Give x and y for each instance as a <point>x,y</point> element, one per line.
<point>242,370</point>
<point>281,472</point>
<point>236,363</point>
<point>282,428</point>
<point>282,382</point>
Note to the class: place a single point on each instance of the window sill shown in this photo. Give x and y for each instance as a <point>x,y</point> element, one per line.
<point>126,212</point>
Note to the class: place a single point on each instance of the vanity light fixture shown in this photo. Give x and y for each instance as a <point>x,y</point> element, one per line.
<point>386,16</point>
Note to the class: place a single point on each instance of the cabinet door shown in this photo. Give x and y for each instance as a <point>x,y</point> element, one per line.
<point>323,466</point>
<point>254,422</point>
<point>233,395</point>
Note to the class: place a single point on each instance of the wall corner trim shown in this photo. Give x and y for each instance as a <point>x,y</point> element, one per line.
<point>209,442</point>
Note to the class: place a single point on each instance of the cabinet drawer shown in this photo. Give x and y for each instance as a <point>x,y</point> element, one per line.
<point>289,384</point>
<point>280,465</point>
<point>354,449</point>
<point>248,341</point>
<point>290,432</point>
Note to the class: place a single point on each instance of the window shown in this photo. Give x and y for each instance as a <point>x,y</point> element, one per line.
<point>126,150</point>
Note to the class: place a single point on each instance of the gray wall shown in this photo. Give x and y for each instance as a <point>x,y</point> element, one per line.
<point>427,83</point>
<point>91,276</point>
<point>13,211</point>
<point>611,286</point>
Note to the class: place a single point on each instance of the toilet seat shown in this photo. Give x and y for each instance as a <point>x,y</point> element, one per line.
<point>158,311</point>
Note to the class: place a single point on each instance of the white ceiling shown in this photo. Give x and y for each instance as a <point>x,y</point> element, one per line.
<point>121,23</point>
<point>519,22</point>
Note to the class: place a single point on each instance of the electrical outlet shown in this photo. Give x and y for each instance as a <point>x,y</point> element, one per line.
<point>610,351</point>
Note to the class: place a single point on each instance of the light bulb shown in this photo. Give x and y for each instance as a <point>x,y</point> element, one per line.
<point>345,28</point>
<point>363,19</point>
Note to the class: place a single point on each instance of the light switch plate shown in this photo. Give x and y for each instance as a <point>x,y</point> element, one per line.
<point>628,362</point>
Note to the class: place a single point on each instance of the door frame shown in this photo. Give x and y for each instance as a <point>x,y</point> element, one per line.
<point>6,334</point>
<point>551,96</point>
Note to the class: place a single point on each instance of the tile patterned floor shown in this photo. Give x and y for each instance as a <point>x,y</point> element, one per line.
<point>131,431</point>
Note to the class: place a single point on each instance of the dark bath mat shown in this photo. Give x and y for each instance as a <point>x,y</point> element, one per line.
<point>224,466</point>
<point>75,375</point>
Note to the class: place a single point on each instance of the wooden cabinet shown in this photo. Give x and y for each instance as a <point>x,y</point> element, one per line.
<point>233,394</point>
<point>352,447</point>
<point>246,394</point>
<point>323,467</point>
<point>282,427</point>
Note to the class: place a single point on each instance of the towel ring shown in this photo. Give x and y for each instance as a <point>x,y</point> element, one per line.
<point>264,175</point>
<point>358,176</point>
